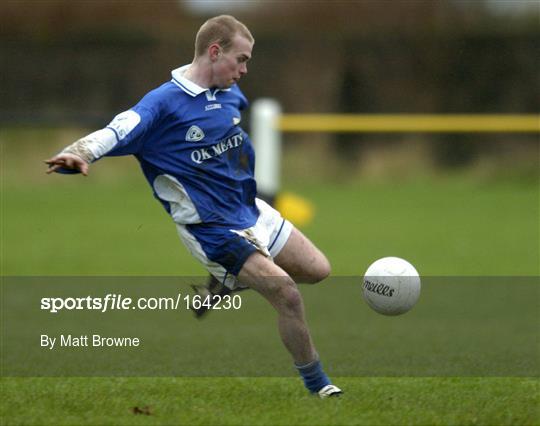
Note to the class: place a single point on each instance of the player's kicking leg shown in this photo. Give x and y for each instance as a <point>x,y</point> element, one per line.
<point>299,258</point>
<point>273,283</point>
<point>302,260</point>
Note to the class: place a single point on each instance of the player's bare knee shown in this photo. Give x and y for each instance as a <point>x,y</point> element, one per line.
<point>320,271</point>
<point>291,301</point>
<point>288,299</point>
<point>324,269</point>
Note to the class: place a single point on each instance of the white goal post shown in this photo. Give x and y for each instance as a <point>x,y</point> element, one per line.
<point>266,135</point>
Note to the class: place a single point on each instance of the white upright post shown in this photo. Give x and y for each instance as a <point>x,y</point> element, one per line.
<point>267,140</point>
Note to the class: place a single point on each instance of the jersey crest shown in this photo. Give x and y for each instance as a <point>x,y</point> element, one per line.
<point>194,134</point>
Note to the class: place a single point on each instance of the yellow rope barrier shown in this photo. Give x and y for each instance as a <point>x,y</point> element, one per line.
<point>409,123</point>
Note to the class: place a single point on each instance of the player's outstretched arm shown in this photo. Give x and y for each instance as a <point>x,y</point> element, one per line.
<point>79,154</point>
<point>67,161</point>
<point>121,136</point>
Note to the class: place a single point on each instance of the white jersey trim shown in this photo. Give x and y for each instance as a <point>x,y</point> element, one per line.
<point>182,208</point>
<point>124,123</point>
<point>198,253</point>
<point>186,85</point>
<point>189,86</point>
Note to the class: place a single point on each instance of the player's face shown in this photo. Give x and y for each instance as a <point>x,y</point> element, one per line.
<point>231,65</point>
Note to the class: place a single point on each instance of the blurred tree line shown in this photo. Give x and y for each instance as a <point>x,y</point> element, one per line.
<point>81,62</point>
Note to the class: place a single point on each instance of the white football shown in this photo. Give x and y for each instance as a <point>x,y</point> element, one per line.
<point>391,286</point>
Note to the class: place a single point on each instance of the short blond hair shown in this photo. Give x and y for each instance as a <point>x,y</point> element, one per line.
<point>221,30</point>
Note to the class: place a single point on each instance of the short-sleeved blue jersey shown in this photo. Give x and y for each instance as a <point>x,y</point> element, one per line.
<point>198,160</point>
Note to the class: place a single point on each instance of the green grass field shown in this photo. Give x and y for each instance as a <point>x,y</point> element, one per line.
<point>464,355</point>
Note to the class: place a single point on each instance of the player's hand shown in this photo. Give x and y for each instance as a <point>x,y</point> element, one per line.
<point>67,161</point>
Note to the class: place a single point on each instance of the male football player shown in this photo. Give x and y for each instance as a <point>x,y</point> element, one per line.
<point>200,165</point>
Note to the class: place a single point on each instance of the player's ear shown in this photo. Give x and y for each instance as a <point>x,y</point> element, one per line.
<point>214,51</point>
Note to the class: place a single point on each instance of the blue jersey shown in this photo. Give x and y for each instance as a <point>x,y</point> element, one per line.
<point>198,160</point>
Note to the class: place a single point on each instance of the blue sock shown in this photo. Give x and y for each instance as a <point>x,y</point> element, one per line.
<point>314,377</point>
